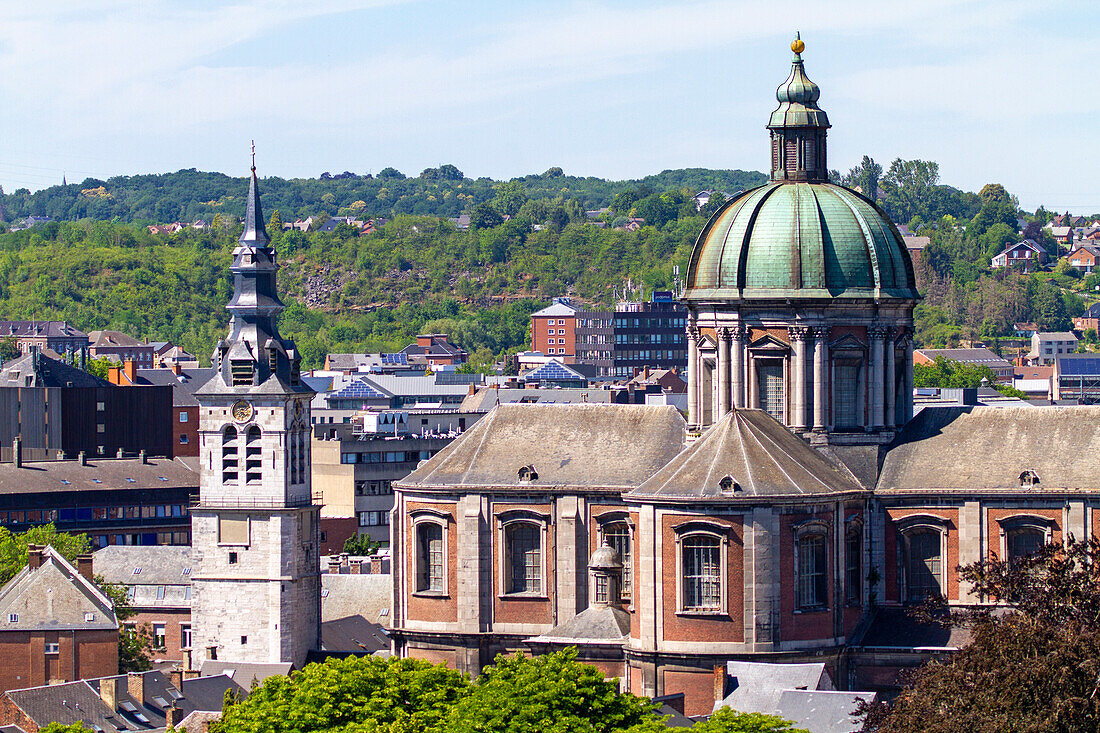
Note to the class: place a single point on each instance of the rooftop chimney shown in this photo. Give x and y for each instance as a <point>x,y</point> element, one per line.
<point>135,685</point>
<point>173,716</point>
<point>176,368</point>
<point>17,452</point>
<point>141,455</point>
<point>108,690</point>
<point>84,567</point>
<point>83,458</point>
<point>35,555</point>
<point>175,676</point>
<point>129,368</point>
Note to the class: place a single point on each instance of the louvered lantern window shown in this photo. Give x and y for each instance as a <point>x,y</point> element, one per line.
<point>790,155</point>
<point>241,372</point>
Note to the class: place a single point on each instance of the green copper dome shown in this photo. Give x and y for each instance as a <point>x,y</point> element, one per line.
<point>799,240</point>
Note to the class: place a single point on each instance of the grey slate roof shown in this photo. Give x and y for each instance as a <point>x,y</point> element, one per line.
<point>353,634</point>
<point>486,398</point>
<point>369,596</point>
<point>762,457</point>
<point>757,686</point>
<point>594,625</point>
<point>54,597</point>
<point>578,446</point>
<point>49,329</point>
<point>969,356</point>
<point>244,673</point>
<point>101,474</point>
<point>823,712</point>
<point>183,385</point>
<point>159,564</point>
<point>46,372</point>
<point>976,448</point>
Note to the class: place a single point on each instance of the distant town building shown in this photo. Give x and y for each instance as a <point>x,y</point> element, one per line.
<point>58,336</point>
<point>1084,257</point>
<point>1077,377</point>
<point>434,350</point>
<point>183,418</point>
<point>1047,346</point>
<point>119,347</point>
<point>1089,319</point>
<point>1027,256</point>
<point>58,626</point>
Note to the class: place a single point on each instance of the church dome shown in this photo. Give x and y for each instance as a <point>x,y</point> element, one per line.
<point>799,236</point>
<point>799,239</point>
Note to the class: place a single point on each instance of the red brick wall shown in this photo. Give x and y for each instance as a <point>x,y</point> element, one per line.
<point>25,664</point>
<point>336,530</point>
<point>893,589</point>
<point>540,335</point>
<point>435,656</point>
<point>189,429</point>
<point>698,689</point>
<point>727,627</point>
<point>12,715</point>
<point>427,608</point>
<point>522,609</point>
<point>803,625</point>
<point>173,631</point>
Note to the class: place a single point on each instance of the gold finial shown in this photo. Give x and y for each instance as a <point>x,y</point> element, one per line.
<point>797,45</point>
<point>253,156</point>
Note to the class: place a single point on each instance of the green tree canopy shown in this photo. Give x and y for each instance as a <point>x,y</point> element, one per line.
<point>13,547</point>
<point>944,372</point>
<point>725,720</point>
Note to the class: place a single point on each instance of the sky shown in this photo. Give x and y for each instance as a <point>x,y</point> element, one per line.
<point>993,90</point>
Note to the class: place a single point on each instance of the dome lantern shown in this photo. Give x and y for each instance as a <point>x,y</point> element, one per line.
<point>798,126</point>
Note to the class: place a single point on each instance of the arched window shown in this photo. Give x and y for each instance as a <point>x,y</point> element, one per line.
<point>701,572</point>
<point>853,563</point>
<point>253,459</point>
<point>429,557</point>
<point>811,568</point>
<point>923,564</point>
<point>617,535</point>
<point>523,557</point>
<point>230,462</point>
<point>1024,542</point>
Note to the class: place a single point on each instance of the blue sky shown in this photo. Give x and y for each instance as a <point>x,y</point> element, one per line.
<point>995,91</point>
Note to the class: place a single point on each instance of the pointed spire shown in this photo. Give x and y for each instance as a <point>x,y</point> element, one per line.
<point>255,232</point>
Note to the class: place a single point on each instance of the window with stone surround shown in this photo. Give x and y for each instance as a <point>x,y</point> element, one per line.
<point>811,565</point>
<point>617,535</point>
<point>1024,534</point>
<point>523,550</point>
<point>922,545</point>
<point>853,563</point>
<point>252,456</point>
<point>702,576</point>
<point>429,557</point>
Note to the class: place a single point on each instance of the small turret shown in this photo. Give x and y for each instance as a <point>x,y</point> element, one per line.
<point>798,126</point>
<point>607,571</point>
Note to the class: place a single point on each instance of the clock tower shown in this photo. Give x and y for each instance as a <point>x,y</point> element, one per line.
<point>256,586</point>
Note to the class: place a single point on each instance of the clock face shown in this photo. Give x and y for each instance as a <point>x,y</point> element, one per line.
<point>242,411</point>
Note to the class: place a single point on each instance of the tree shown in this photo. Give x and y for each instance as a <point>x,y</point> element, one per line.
<point>98,367</point>
<point>944,372</point>
<point>13,547</point>
<point>1050,309</point>
<point>391,173</point>
<point>275,223</point>
<point>354,695</point>
<point>552,692</point>
<point>9,348</point>
<point>1035,667</point>
<point>77,727</point>
<point>908,188</point>
<point>360,545</point>
<point>485,216</point>
<point>711,207</point>
<point>865,177</point>
<point>725,720</point>
<point>510,196</point>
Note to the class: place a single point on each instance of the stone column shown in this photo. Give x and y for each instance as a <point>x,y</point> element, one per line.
<point>907,397</point>
<point>891,381</point>
<point>798,377</point>
<point>694,411</point>
<point>821,376</point>
<point>737,334</point>
<point>723,372</point>
<point>876,335</point>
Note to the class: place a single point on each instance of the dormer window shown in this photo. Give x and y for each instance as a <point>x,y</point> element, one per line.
<point>1028,479</point>
<point>728,486</point>
<point>241,372</point>
<point>528,473</point>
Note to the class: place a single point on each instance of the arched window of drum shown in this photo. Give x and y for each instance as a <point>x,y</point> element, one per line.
<point>429,558</point>
<point>812,571</point>
<point>253,458</point>
<point>1024,542</point>
<point>230,458</point>
<point>702,572</point>
<point>523,547</point>
<point>923,565</point>
<point>773,394</point>
<point>617,535</point>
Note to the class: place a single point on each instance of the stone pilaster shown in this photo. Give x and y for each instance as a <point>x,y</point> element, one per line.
<point>723,372</point>
<point>798,376</point>
<point>821,378</point>
<point>738,336</point>
<point>876,336</point>
<point>694,387</point>
<point>891,381</point>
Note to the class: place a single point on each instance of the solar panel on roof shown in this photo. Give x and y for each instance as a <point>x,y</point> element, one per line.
<point>1080,367</point>
<point>358,390</point>
<point>554,371</point>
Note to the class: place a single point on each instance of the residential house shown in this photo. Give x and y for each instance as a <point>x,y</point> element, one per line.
<point>1089,319</point>
<point>435,350</point>
<point>1084,257</point>
<point>119,347</point>
<point>667,379</point>
<point>1046,347</point>
<point>1034,381</point>
<point>167,355</point>
<point>702,198</point>
<point>335,221</point>
<point>58,336</point>
<point>462,221</point>
<point>915,245</point>
<point>301,225</point>
<point>56,625</point>
<point>199,224</point>
<point>158,589</point>
<point>974,357</point>
<point>138,701</point>
<point>1062,234</point>
<point>1026,255</point>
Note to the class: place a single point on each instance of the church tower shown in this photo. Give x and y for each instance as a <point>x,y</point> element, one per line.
<point>256,594</point>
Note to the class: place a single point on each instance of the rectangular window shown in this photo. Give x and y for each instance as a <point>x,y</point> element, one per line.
<point>773,398</point>
<point>617,535</point>
<point>184,440</point>
<point>241,372</point>
<point>183,416</point>
<point>853,566</point>
<point>702,573</point>
<point>525,558</point>
<point>430,538</point>
<point>52,647</point>
<point>812,577</point>
<point>158,636</point>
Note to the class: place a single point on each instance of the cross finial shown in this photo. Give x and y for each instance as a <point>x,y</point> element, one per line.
<point>253,156</point>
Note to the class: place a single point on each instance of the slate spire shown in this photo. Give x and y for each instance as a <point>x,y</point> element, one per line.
<point>255,232</point>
